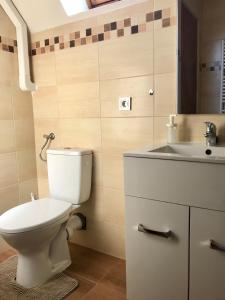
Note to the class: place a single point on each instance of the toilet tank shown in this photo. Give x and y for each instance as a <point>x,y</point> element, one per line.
<point>69,174</point>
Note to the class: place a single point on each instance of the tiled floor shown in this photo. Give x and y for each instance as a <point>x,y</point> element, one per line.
<point>100,276</point>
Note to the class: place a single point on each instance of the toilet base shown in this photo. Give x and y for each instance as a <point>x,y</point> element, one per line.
<point>39,265</point>
<point>34,270</point>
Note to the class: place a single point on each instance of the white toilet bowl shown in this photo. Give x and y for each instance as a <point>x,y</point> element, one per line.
<point>37,230</point>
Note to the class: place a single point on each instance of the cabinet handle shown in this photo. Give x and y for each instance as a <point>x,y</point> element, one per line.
<point>216,246</point>
<point>165,234</point>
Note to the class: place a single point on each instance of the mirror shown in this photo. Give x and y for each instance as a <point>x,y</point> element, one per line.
<point>201,55</point>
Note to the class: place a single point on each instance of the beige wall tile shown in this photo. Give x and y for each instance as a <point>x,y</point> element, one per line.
<point>8,167</point>
<point>165,49</point>
<point>121,134</point>
<point>160,130</point>
<point>42,171</point>
<point>6,64</point>
<point>9,197</point>
<point>44,69</point>
<point>81,90</point>
<point>45,104</point>
<point>79,100</point>
<point>27,164</point>
<point>161,4</point>
<point>135,11</point>
<point>16,121</point>
<point>101,236</point>
<point>24,133</point>
<point>97,169</point>
<point>136,87</point>
<point>25,189</point>
<point>77,64</point>
<point>7,136</point>
<point>114,206</point>
<point>127,57</point>
<point>6,109</point>
<point>43,190</point>
<point>165,94</point>
<point>112,171</point>
<point>83,108</point>
<point>22,104</point>
<point>15,73</point>
<point>80,133</point>
<point>7,28</point>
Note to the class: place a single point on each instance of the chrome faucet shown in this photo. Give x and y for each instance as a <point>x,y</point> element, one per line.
<point>210,134</point>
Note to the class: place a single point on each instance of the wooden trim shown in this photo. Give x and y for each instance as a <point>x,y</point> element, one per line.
<point>96,3</point>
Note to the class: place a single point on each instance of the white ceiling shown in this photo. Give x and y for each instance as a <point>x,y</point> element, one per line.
<point>45,14</point>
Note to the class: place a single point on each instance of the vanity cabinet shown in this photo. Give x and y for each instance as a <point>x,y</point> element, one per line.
<point>207,254</point>
<point>175,229</point>
<point>157,250</point>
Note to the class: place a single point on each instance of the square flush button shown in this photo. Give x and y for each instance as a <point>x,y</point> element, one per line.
<point>125,103</point>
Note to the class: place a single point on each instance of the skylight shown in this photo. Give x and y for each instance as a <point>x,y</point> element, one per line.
<point>73,7</point>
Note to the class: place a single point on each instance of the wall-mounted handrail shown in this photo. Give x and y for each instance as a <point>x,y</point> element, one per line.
<point>22,41</point>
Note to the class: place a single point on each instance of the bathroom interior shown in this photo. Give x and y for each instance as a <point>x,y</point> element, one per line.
<point>112,149</point>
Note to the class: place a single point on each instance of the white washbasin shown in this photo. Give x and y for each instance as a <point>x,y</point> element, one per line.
<point>191,150</point>
<point>185,151</point>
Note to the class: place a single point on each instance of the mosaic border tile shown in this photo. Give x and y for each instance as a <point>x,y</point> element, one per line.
<point>8,45</point>
<point>211,66</point>
<point>112,30</point>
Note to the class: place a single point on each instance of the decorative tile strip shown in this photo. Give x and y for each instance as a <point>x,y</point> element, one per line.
<point>8,45</point>
<point>115,29</point>
<point>211,66</point>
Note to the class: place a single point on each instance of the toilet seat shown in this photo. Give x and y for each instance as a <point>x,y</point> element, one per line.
<point>34,215</point>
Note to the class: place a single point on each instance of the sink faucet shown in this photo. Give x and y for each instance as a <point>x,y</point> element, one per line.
<point>210,134</point>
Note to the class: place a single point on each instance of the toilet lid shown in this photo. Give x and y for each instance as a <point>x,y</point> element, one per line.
<point>33,215</point>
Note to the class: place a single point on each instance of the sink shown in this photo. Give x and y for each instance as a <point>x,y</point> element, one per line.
<point>188,152</point>
<point>191,150</point>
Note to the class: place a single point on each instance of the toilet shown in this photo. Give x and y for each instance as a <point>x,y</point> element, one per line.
<point>38,230</point>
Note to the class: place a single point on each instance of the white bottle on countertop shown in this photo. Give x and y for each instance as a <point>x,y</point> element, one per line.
<point>171,130</point>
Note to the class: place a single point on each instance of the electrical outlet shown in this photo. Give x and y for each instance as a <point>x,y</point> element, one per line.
<point>125,103</point>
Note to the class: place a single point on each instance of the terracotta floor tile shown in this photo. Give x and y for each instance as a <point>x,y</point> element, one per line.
<point>100,276</point>
<point>84,287</point>
<point>101,292</point>
<point>90,264</point>
<point>116,278</point>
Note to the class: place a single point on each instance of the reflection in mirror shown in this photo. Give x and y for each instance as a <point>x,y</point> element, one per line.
<point>201,57</point>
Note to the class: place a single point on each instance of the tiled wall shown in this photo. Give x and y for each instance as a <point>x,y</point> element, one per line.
<point>17,158</point>
<point>79,86</point>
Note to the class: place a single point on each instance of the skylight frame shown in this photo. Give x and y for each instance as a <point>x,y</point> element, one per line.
<point>73,7</point>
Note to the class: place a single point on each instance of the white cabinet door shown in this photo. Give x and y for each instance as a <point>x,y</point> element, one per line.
<point>157,261</point>
<point>207,255</point>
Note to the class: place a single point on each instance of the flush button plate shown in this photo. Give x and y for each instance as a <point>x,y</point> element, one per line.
<point>124,103</point>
